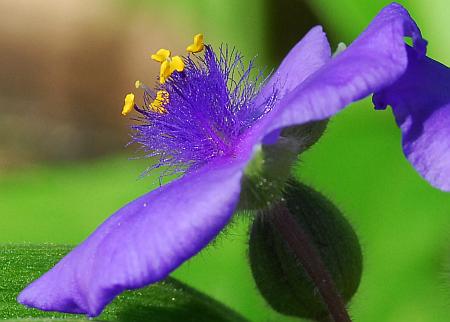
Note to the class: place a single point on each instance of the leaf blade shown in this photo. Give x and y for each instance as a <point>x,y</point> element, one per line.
<point>169,300</point>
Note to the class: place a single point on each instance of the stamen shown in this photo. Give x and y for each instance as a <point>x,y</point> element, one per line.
<point>161,55</point>
<point>161,100</point>
<point>176,64</point>
<point>164,71</point>
<point>129,104</point>
<point>168,64</point>
<point>198,44</point>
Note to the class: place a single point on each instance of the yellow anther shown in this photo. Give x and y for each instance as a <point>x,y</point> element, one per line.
<point>197,46</point>
<point>176,64</point>
<point>161,55</point>
<point>129,104</point>
<point>138,84</point>
<point>161,100</point>
<point>164,71</point>
<point>168,64</point>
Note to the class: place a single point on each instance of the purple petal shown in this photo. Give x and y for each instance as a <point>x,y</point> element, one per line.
<point>377,58</point>
<point>142,242</point>
<point>420,100</point>
<point>306,57</point>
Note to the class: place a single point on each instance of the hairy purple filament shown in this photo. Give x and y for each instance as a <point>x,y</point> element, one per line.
<point>211,104</point>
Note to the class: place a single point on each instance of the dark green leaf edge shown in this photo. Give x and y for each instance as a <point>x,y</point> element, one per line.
<point>169,300</point>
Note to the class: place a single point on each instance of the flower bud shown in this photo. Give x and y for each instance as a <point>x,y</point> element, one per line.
<point>281,276</point>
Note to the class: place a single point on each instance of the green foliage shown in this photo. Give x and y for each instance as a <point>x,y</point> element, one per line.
<point>46,320</point>
<point>167,301</point>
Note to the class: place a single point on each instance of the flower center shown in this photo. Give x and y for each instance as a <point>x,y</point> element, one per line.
<point>201,106</point>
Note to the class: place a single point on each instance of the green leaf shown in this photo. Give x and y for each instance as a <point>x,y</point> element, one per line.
<point>46,320</point>
<point>166,301</point>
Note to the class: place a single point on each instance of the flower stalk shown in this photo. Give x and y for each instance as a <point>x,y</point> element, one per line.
<point>299,241</point>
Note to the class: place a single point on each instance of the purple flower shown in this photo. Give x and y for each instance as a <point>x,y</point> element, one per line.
<point>209,121</point>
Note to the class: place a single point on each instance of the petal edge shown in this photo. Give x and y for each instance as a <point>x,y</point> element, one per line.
<point>142,242</point>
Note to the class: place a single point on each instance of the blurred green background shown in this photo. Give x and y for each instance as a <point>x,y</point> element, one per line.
<point>65,68</point>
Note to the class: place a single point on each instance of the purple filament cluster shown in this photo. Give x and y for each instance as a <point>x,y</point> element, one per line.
<point>211,103</point>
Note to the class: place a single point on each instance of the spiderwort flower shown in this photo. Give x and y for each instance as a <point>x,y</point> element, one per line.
<point>208,119</point>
